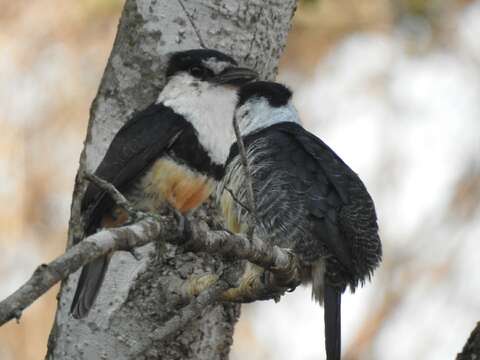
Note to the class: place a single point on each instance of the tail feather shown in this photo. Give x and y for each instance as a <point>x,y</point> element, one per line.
<point>332,322</point>
<point>89,284</point>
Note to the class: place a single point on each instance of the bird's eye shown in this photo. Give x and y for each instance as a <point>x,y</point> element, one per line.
<point>197,71</point>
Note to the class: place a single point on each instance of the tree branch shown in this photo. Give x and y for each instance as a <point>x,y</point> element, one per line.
<point>99,244</point>
<point>189,17</point>
<point>116,195</point>
<point>280,262</point>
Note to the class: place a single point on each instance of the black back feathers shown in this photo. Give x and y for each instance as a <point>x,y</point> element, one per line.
<point>276,94</point>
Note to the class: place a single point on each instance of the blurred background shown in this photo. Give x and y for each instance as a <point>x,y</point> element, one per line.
<point>393,86</point>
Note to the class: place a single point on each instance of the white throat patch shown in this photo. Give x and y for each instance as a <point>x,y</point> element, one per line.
<point>208,107</point>
<point>258,114</point>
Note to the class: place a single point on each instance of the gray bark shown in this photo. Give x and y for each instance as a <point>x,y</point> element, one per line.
<point>135,299</point>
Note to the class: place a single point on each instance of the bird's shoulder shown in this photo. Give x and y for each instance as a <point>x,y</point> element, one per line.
<point>144,128</point>
<point>138,142</point>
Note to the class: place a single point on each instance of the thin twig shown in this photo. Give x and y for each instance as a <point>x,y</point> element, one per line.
<point>133,214</point>
<point>248,178</point>
<point>189,17</point>
<point>239,247</point>
<point>116,195</point>
<point>236,199</point>
<point>254,36</point>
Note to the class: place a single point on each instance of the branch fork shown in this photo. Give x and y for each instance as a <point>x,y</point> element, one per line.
<point>201,291</point>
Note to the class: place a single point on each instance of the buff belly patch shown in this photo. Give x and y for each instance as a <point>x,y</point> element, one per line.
<point>182,187</point>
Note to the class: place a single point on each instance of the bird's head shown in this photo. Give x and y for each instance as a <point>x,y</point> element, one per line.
<point>208,66</point>
<point>203,73</point>
<point>262,104</point>
<point>202,86</point>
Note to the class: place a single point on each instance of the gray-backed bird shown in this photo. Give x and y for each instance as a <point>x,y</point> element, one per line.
<point>170,153</point>
<point>307,199</point>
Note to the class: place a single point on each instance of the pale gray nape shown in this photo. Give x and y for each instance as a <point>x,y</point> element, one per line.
<point>257,114</point>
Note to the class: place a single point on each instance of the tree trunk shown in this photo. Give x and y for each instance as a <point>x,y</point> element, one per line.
<point>136,297</point>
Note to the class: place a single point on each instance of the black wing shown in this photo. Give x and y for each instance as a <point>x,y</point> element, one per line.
<point>340,211</point>
<point>344,220</point>
<point>345,217</point>
<point>136,146</point>
<point>319,177</point>
<point>303,173</point>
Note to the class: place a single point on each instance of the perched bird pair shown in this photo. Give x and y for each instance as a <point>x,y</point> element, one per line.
<point>180,148</point>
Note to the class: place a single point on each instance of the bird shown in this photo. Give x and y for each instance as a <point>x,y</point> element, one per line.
<point>171,153</point>
<point>307,200</point>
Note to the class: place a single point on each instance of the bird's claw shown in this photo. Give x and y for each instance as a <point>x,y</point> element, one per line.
<point>184,227</point>
<point>136,255</point>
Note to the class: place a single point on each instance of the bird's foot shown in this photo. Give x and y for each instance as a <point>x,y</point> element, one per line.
<point>136,255</point>
<point>270,281</point>
<point>185,233</point>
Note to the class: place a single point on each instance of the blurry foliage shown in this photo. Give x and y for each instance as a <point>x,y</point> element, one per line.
<point>320,24</point>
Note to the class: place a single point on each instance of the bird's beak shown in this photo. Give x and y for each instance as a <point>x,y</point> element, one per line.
<point>236,76</point>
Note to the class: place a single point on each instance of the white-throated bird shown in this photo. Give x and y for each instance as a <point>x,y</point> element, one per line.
<point>170,153</point>
<point>307,199</point>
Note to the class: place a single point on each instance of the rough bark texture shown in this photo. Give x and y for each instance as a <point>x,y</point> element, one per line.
<point>135,299</point>
<point>471,350</point>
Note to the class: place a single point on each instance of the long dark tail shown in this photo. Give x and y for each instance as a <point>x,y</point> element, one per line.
<point>332,322</point>
<point>89,284</point>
